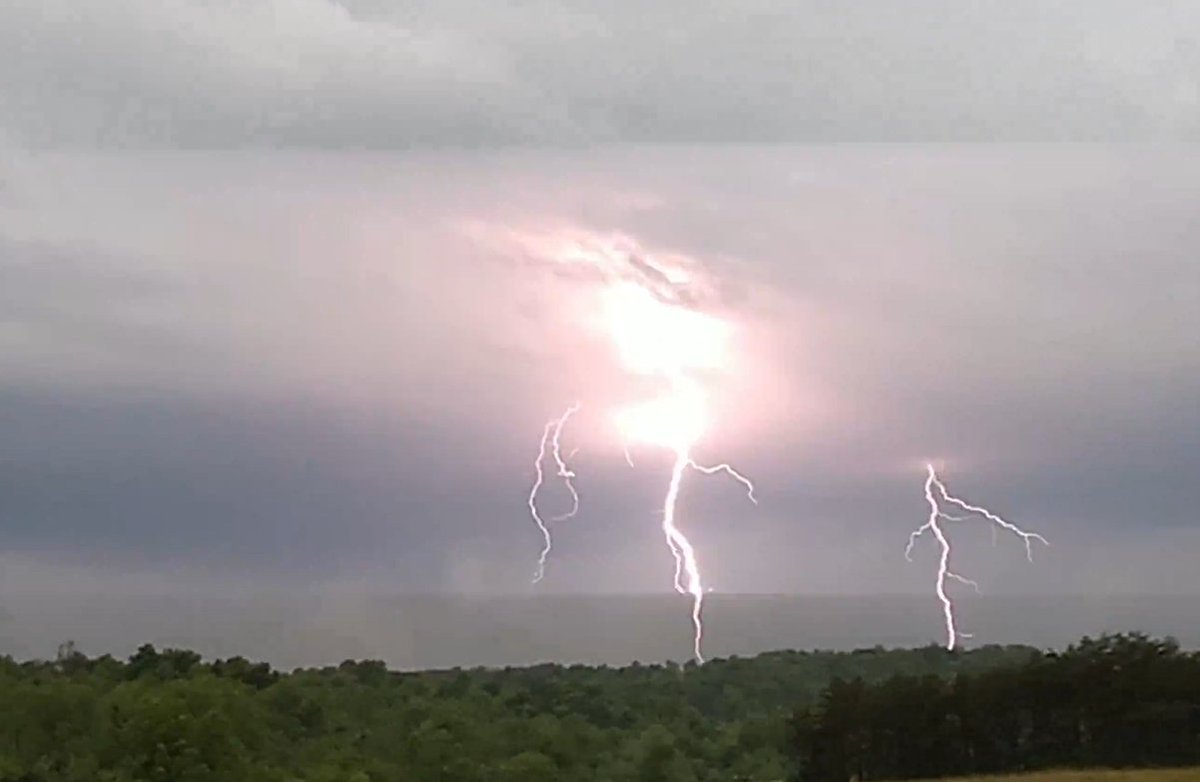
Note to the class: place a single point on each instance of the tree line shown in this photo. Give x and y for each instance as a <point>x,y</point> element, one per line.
<point>171,716</point>
<point>1115,701</point>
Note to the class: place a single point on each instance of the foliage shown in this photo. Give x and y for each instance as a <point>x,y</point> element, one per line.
<point>1117,701</point>
<point>1141,775</point>
<point>169,716</point>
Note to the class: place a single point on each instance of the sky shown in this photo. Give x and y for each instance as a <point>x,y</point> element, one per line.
<point>281,304</point>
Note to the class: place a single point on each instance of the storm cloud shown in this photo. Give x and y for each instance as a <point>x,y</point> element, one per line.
<point>287,291</point>
<point>471,73</point>
<point>299,365</point>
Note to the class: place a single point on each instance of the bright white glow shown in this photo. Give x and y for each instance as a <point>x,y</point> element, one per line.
<point>675,420</point>
<point>656,338</point>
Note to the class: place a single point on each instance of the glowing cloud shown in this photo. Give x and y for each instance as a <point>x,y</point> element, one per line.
<point>649,313</point>
<point>655,338</point>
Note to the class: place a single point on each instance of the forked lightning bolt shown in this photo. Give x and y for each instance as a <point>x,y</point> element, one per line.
<point>728,470</point>
<point>663,314</point>
<point>654,310</point>
<point>552,442</point>
<point>681,547</point>
<point>935,495</point>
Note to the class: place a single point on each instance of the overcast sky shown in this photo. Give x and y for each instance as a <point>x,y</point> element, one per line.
<point>269,313</point>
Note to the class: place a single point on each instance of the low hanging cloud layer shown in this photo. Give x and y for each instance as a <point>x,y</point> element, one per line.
<point>293,368</point>
<point>474,73</point>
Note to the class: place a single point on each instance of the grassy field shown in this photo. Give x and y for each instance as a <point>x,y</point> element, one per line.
<point>1156,775</point>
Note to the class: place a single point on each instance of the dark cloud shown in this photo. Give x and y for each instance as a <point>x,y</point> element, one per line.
<point>232,486</point>
<point>467,73</point>
<point>78,295</point>
<point>296,368</point>
<point>264,370</point>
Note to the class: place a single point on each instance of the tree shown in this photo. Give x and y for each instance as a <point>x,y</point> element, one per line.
<point>528,767</point>
<point>1119,700</point>
<point>659,758</point>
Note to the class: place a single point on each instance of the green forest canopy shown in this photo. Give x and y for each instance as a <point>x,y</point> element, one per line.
<point>169,716</point>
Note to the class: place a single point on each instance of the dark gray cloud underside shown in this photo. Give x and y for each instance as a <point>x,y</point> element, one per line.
<point>470,73</point>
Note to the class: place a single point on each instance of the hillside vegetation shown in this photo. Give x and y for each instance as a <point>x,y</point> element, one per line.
<point>1124,701</point>
<point>1147,775</point>
<point>168,716</point>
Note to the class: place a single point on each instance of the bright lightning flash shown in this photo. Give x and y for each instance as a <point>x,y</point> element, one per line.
<point>676,421</point>
<point>935,496</point>
<point>669,342</point>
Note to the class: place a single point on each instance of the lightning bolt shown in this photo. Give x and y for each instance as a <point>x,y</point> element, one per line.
<point>625,451</point>
<point>682,549</point>
<point>551,442</point>
<point>661,315</point>
<point>935,495</point>
<point>684,554</point>
<point>732,473</point>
